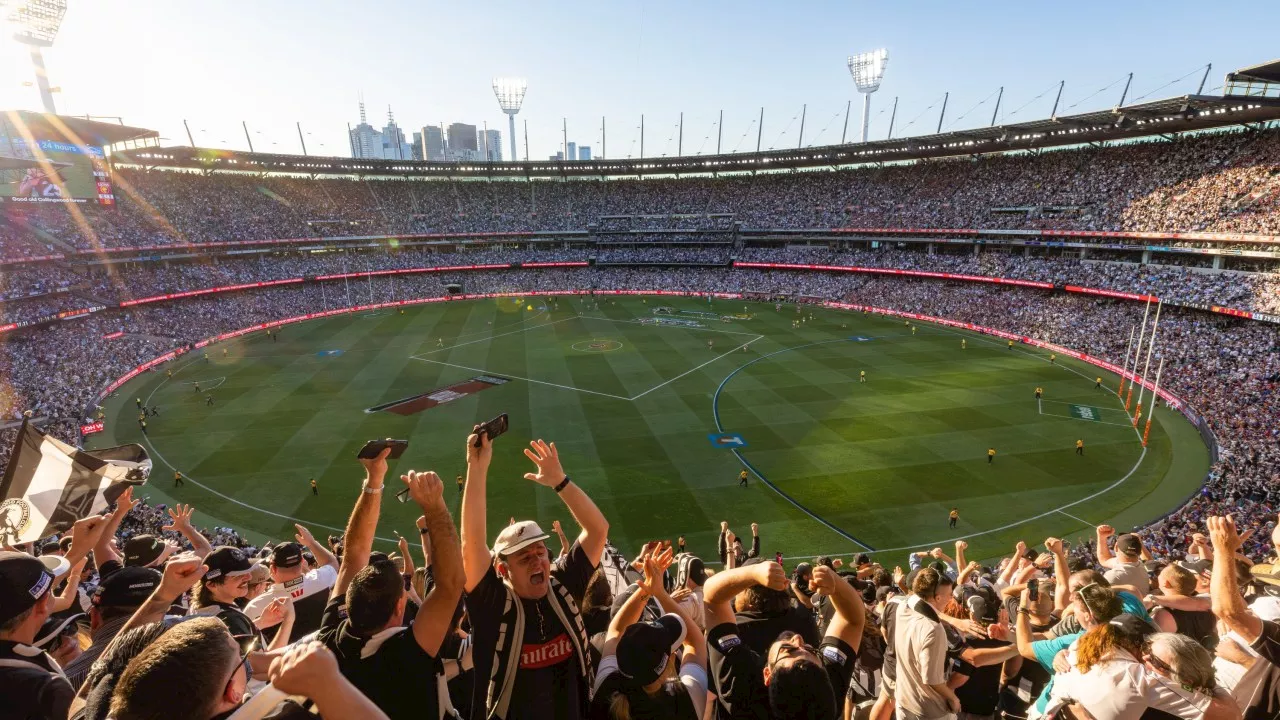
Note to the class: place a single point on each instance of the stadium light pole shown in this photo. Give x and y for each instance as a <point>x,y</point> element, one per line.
<point>867,70</point>
<point>36,24</point>
<point>510,95</point>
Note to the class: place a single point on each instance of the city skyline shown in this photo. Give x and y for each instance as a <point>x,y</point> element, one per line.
<point>240,67</point>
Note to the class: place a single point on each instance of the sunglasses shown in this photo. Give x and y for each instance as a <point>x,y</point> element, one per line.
<point>247,644</point>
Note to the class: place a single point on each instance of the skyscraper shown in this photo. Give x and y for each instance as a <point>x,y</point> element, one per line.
<point>433,139</point>
<point>418,147</point>
<point>394,146</point>
<point>490,142</point>
<point>366,141</point>
<point>584,152</point>
<point>462,137</point>
<point>572,153</point>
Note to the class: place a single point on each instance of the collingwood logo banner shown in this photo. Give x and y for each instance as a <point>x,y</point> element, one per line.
<point>50,484</point>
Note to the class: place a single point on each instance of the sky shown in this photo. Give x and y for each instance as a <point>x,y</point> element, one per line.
<point>274,63</point>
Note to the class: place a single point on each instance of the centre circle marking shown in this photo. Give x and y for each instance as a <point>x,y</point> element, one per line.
<point>596,346</point>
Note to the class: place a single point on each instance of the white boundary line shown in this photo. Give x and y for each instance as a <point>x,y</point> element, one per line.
<point>1073,517</point>
<point>535,316</point>
<point>220,380</point>
<point>1073,417</point>
<point>517,377</point>
<point>491,337</point>
<point>686,372</point>
<point>224,496</point>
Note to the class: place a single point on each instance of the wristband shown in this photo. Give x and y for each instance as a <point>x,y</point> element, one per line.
<point>563,484</point>
<point>422,531</point>
<point>370,490</point>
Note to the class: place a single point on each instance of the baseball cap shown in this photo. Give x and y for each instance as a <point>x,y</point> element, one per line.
<point>690,567</point>
<point>50,547</point>
<point>53,628</point>
<point>260,573</point>
<point>517,537</point>
<point>861,559</point>
<point>227,561</point>
<point>24,580</point>
<point>1268,573</point>
<point>1133,626</point>
<point>143,550</point>
<point>1128,544</point>
<point>1198,565</point>
<point>128,587</point>
<point>645,647</point>
<point>286,555</point>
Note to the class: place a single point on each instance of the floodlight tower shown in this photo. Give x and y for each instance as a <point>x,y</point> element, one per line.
<point>36,24</point>
<point>867,69</point>
<point>510,94</point>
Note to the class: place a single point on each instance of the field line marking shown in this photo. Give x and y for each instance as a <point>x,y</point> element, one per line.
<point>491,337</point>
<point>537,315</point>
<point>675,327</point>
<point>517,377</point>
<point>1024,521</point>
<point>1073,417</point>
<point>147,439</point>
<point>686,372</point>
<point>1073,517</point>
<point>715,411</point>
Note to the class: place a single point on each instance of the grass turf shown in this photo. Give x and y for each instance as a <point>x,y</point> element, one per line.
<point>881,462</point>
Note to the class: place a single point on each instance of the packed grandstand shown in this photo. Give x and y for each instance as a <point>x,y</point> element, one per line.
<point>1061,247</point>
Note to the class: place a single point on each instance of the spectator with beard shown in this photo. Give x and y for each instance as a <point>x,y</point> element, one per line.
<point>308,588</point>
<point>362,621</point>
<point>529,636</point>
<point>791,679</point>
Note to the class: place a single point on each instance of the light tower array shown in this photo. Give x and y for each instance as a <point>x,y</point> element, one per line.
<point>510,94</point>
<point>36,24</point>
<point>867,70</point>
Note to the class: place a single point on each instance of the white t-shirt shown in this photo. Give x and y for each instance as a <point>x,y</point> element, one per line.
<point>309,592</point>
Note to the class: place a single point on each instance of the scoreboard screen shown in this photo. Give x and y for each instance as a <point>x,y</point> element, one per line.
<point>53,171</point>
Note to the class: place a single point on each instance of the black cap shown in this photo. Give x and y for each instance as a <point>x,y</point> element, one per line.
<point>861,559</point>
<point>143,550</point>
<point>1133,626</point>
<point>54,628</point>
<point>1128,544</point>
<point>690,567</point>
<point>227,561</point>
<point>24,581</point>
<point>50,547</point>
<point>127,587</point>
<point>645,647</point>
<point>286,555</point>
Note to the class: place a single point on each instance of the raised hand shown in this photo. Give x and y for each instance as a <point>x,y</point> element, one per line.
<point>1222,532</point>
<point>304,669</point>
<point>547,459</point>
<point>1053,545</point>
<point>655,564</point>
<point>303,535</point>
<point>181,574</point>
<point>403,545</point>
<point>275,611</point>
<point>479,456</point>
<point>898,575</point>
<point>376,467</point>
<point>961,546</point>
<point>555,526</point>
<point>724,526</point>
<point>755,529</point>
<point>1105,531</point>
<point>179,518</point>
<point>85,534</point>
<point>1020,549</point>
<point>421,522</point>
<point>936,553</point>
<point>125,503</point>
<point>770,575</point>
<point>426,488</point>
<point>823,579</point>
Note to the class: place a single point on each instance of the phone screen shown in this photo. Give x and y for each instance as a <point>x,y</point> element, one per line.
<point>373,447</point>
<point>492,428</point>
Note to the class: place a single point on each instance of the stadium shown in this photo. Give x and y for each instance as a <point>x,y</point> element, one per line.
<point>951,344</point>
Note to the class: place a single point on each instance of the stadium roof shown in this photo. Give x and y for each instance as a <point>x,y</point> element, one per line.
<point>67,128</point>
<point>1266,72</point>
<point>1149,119</point>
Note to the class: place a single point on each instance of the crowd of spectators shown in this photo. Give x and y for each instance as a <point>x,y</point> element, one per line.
<point>1121,628</point>
<point>1218,182</point>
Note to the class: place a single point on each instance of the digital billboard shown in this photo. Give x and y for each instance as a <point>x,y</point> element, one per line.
<point>53,171</point>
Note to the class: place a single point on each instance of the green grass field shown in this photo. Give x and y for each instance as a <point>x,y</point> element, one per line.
<point>631,407</point>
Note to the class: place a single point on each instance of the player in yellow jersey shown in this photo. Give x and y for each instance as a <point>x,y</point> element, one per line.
<point>177,479</point>
<point>991,455</point>
<point>742,478</point>
<point>1053,358</point>
<point>913,329</point>
<point>1010,344</point>
<point>1097,383</point>
<point>862,376</point>
<point>954,517</point>
<point>1080,447</point>
<point>1039,392</point>
<point>963,344</point>
<point>314,490</point>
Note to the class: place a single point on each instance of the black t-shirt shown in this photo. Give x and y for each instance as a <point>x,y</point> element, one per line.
<point>979,694</point>
<point>548,683</point>
<point>399,677</point>
<point>737,673</point>
<point>32,689</point>
<point>759,630</point>
<point>671,702</point>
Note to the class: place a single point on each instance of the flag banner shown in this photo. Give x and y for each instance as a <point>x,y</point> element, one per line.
<point>49,484</point>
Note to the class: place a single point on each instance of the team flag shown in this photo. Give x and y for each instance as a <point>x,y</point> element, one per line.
<point>49,484</point>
